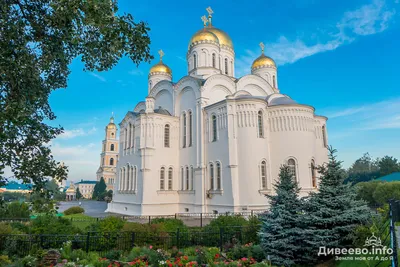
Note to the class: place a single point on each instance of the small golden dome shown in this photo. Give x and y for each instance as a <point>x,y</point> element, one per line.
<point>223,37</point>
<point>263,61</point>
<point>161,67</point>
<point>204,35</point>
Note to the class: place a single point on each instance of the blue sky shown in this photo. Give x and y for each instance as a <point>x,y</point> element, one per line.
<point>342,57</point>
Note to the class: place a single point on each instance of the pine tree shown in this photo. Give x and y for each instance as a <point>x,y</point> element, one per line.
<point>78,194</point>
<point>99,189</point>
<point>333,212</point>
<point>280,233</point>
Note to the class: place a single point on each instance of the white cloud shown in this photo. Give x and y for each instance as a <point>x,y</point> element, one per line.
<point>136,72</point>
<point>181,58</point>
<point>101,78</point>
<point>366,20</point>
<point>68,134</point>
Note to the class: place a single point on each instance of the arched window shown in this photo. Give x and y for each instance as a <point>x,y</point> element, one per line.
<point>166,135</point>
<point>264,174</point>
<point>213,60</point>
<point>187,178</point>
<point>190,128</point>
<point>129,135</point>
<point>214,128</point>
<point>184,129</point>
<point>324,136</point>
<point>226,66</point>
<point>194,61</point>
<point>170,173</point>
<point>192,178</point>
<point>211,176</point>
<point>120,179</point>
<point>126,139</point>
<point>219,182</point>
<point>292,168</point>
<point>313,174</point>
<point>102,161</point>
<point>112,147</point>
<point>134,178</point>
<point>260,125</point>
<point>162,178</point>
<point>274,81</point>
<point>133,137</point>
<point>112,161</point>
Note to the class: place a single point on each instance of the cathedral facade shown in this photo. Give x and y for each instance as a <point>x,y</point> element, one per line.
<point>213,142</point>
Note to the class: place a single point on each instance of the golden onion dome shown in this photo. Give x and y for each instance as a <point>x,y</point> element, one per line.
<point>204,35</point>
<point>263,61</point>
<point>223,37</point>
<point>160,67</point>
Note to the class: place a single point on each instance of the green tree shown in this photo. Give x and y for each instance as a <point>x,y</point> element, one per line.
<point>99,190</point>
<point>365,191</point>
<point>39,40</point>
<point>386,191</point>
<point>281,234</point>
<point>333,212</point>
<point>78,194</point>
<point>388,165</point>
<point>362,170</point>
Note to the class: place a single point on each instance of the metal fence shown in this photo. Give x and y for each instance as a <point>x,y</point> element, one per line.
<point>102,243</point>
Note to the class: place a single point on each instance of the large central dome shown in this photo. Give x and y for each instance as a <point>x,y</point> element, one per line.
<point>212,34</point>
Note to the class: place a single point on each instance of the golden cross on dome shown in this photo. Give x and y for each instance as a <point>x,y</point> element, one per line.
<point>161,53</point>
<point>262,47</point>
<point>210,12</point>
<point>205,20</point>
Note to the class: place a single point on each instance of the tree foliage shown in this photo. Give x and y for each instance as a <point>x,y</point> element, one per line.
<point>388,165</point>
<point>281,234</point>
<point>333,212</point>
<point>38,41</point>
<point>78,194</point>
<point>99,190</point>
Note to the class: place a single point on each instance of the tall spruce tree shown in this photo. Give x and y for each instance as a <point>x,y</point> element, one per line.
<point>280,232</point>
<point>333,212</point>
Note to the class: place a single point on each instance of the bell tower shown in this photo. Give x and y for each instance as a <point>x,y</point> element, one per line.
<point>109,156</point>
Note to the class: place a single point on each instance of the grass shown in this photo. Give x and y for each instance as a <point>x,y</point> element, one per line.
<point>81,221</point>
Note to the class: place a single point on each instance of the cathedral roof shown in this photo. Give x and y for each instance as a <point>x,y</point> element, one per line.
<point>160,67</point>
<point>204,35</point>
<point>161,110</point>
<point>263,61</point>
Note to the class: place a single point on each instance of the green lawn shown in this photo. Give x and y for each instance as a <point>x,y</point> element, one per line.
<point>80,220</point>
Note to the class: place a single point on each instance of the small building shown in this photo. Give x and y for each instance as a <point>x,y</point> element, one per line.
<point>70,192</point>
<point>86,188</point>
<point>393,177</point>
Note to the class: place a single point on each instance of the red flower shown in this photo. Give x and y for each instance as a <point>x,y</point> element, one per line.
<point>150,247</point>
<point>216,256</point>
<point>170,265</point>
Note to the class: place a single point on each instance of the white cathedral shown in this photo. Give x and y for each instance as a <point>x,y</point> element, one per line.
<point>213,142</point>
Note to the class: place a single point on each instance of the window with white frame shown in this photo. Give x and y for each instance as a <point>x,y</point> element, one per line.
<point>190,128</point>
<point>187,178</point>
<point>192,178</point>
<point>162,178</point>
<point>170,176</point>
<point>214,128</point>
<point>264,174</point>
<point>211,176</point>
<point>219,178</point>
<point>166,135</point>
<point>184,129</point>
<point>292,168</point>
<point>324,136</point>
<point>313,174</point>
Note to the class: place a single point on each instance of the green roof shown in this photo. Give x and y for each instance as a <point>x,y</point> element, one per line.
<point>87,182</point>
<point>393,177</point>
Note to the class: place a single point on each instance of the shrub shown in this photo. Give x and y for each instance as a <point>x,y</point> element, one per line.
<point>365,191</point>
<point>15,210</point>
<point>227,221</point>
<point>386,191</point>
<point>171,225</point>
<point>108,224</point>
<point>49,224</point>
<point>74,210</point>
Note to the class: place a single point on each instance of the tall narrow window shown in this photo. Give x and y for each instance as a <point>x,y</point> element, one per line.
<point>226,66</point>
<point>214,128</point>
<point>182,179</point>
<point>129,135</point>
<point>170,173</point>
<point>274,81</point>
<point>126,139</point>
<point>313,174</point>
<point>134,178</point>
<point>190,128</point>
<point>213,60</point>
<point>292,168</point>
<point>120,179</point>
<point>211,176</point>
<point>260,125</point>
<point>133,138</point>
<point>166,135</point>
<point>128,176</point>
<point>219,182</point>
<point>324,136</point>
<point>264,174</point>
<point>184,129</point>
<point>162,178</point>
<point>187,178</point>
<point>192,178</point>
<point>194,61</point>
<point>111,161</point>
<point>112,147</point>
